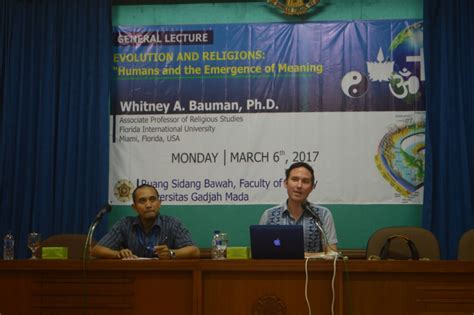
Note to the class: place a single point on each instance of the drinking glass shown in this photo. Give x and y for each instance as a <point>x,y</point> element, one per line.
<point>34,241</point>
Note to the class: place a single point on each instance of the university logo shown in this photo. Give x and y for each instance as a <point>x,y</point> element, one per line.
<point>123,190</point>
<point>294,7</point>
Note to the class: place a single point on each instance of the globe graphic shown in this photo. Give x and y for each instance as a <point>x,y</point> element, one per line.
<point>401,154</point>
<point>406,50</point>
<point>408,42</point>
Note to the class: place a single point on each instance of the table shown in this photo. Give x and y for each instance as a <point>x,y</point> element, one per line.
<point>207,287</point>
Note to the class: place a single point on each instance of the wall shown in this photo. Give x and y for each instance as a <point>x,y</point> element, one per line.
<point>354,223</point>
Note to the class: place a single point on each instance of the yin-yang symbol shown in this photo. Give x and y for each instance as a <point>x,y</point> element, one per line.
<point>354,84</point>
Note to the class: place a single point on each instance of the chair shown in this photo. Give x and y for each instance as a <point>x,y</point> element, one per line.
<point>74,243</point>
<point>466,246</point>
<point>425,242</point>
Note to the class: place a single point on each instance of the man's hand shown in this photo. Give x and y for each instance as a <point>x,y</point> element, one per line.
<point>108,253</point>
<point>162,251</point>
<point>125,254</point>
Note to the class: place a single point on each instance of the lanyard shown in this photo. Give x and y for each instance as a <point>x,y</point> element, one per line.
<point>149,246</point>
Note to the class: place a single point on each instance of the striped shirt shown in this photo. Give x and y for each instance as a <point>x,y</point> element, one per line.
<point>280,215</point>
<point>128,233</point>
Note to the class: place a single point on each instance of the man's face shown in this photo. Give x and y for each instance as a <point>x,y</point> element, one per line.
<point>146,204</point>
<point>299,184</point>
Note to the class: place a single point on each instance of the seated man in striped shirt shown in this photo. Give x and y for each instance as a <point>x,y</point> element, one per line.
<point>150,234</point>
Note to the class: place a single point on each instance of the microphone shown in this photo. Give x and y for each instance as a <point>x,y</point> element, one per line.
<point>105,209</point>
<point>331,253</point>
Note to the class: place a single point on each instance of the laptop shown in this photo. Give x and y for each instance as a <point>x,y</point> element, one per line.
<point>277,241</point>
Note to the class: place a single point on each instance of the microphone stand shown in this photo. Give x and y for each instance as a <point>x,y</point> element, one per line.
<point>330,253</point>
<point>87,249</point>
<point>90,232</point>
<point>323,233</point>
<point>88,244</point>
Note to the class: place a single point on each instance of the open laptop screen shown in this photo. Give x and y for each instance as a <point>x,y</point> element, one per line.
<point>277,241</point>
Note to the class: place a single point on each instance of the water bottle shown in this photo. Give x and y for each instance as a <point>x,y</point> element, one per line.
<point>222,246</point>
<point>216,242</point>
<point>8,247</point>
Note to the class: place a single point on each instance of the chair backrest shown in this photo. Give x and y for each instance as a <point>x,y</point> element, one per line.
<point>74,243</point>
<point>466,246</point>
<point>425,242</point>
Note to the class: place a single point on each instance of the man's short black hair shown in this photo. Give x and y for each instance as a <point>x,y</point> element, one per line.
<point>297,165</point>
<point>142,186</point>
